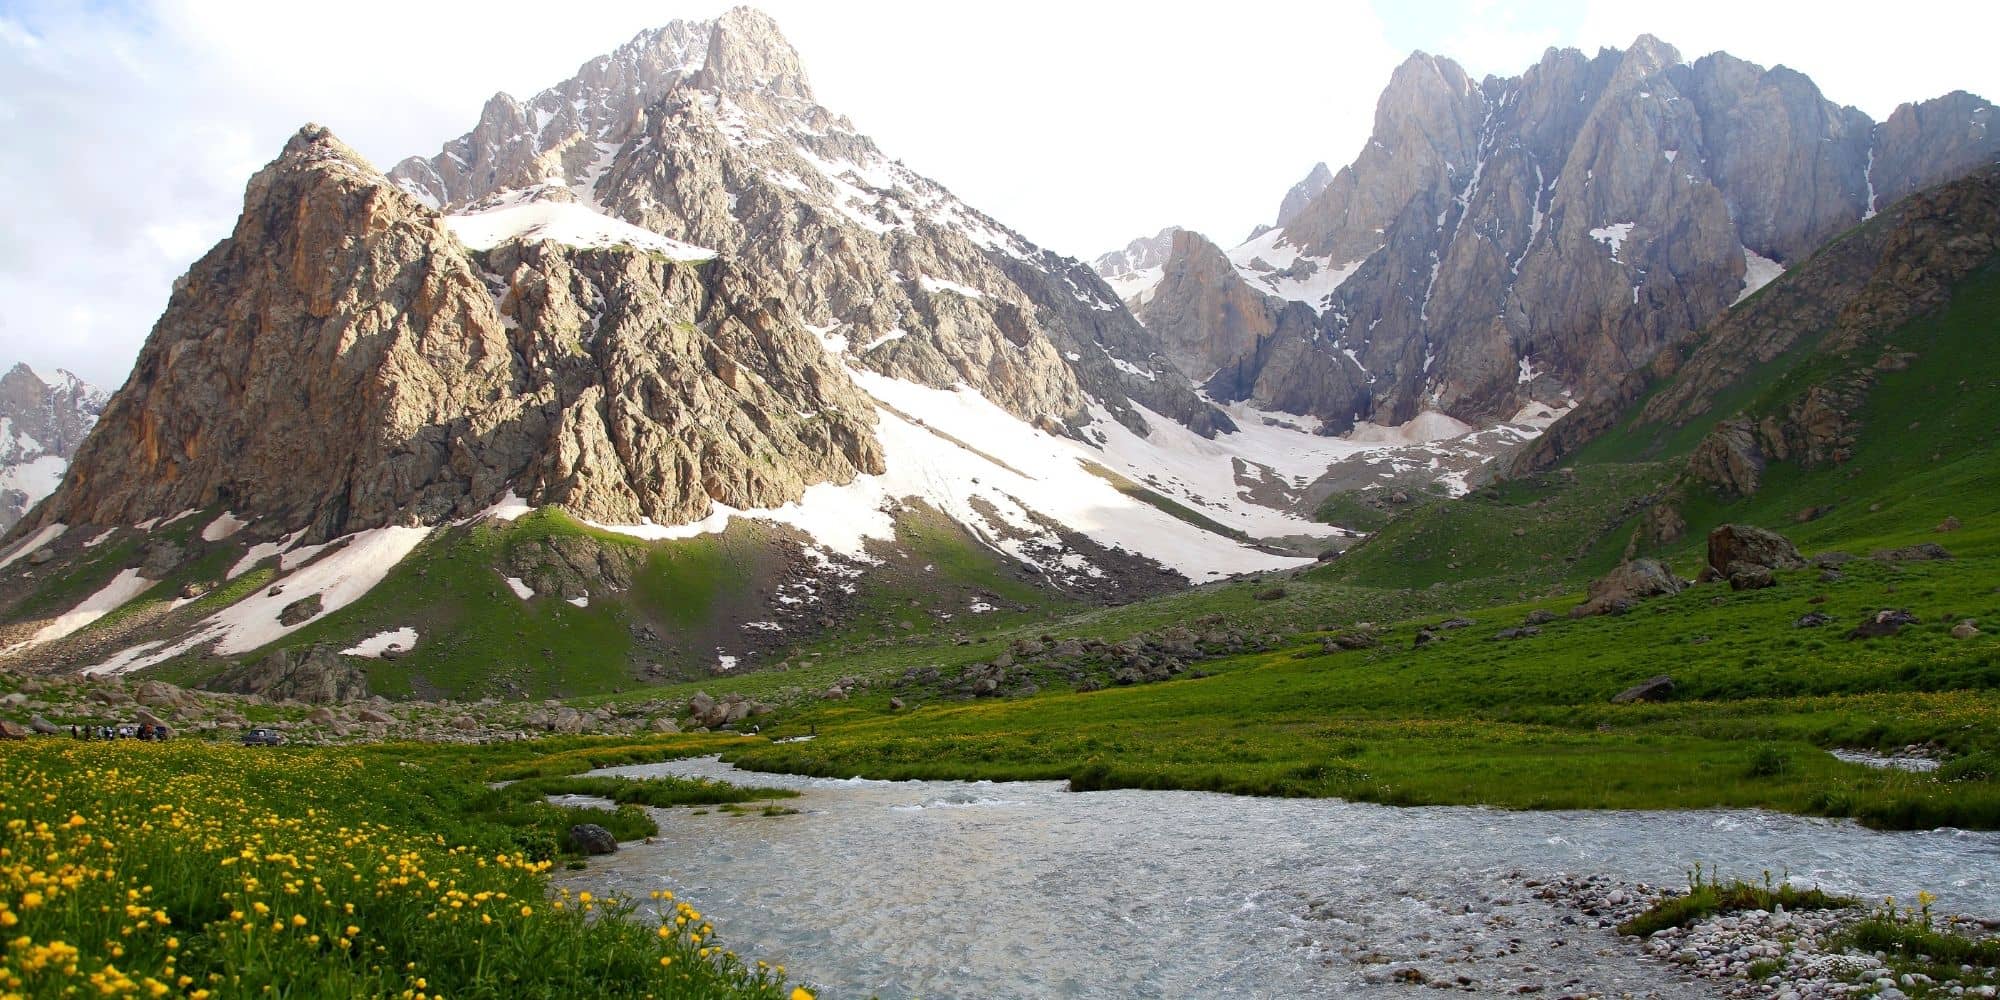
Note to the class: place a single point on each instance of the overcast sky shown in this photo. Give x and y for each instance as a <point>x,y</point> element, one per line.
<point>131,125</point>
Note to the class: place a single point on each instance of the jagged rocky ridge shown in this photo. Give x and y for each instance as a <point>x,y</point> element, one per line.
<point>707,132</point>
<point>41,423</point>
<point>345,322</point>
<point>1511,240</point>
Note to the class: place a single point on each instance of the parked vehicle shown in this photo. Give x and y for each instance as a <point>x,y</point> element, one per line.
<point>263,738</point>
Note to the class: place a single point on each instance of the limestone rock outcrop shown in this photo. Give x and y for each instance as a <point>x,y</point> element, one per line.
<point>1543,238</point>
<point>344,362</point>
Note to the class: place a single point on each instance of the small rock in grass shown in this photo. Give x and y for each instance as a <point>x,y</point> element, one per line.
<point>1653,689</point>
<point>1883,623</point>
<point>1816,619</point>
<point>1965,629</point>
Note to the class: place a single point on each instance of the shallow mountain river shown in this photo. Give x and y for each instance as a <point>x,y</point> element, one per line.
<point>1023,889</point>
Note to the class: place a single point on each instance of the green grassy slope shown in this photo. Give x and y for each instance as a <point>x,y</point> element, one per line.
<point>1528,722</point>
<point>688,602</point>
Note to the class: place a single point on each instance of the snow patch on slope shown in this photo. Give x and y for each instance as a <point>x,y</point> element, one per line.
<point>401,640</point>
<point>1267,262</point>
<point>222,527</point>
<point>1758,271</point>
<point>340,578</point>
<point>122,588</point>
<point>996,475</point>
<point>1613,236</point>
<point>29,544</point>
<point>563,222</point>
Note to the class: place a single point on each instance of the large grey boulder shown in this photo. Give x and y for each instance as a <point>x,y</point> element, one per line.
<point>1632,582</point>
<point>590,838</point>
<point>1738,549</point>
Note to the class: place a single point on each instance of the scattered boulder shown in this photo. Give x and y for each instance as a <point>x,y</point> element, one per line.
<point>316,676</point>
<point>465,724</point>
<point>41,556</point>
<point>1356,639</point>
<point>838,693</point>
<point>375,716</point>
<point>700,706</point>
<point>895,704</point>
<point>160,694</point>
<point>320,716</point>
<point>1816,619</point>
<point>1270,594</point>
<point>1539,617</point>
<point>110,696</point>
<point>1751,578</point>
<point>11,730</point>
<point>1652,689</point>
<point>1831,576</point>
<point>1455,623</point>
<point>1911,553</point>
<point>44,726</point>
<point>1949,524</point>
<point>1524,632</point>
<point>190,591</point>
<point>299,612</point>
<point>665,725</point>
<point>1424,638</point>
<point>1616,591</point>
<point>1883,623</point>
<point>592,839</point>
<point>1833,560</point>
<point>1965,629</point>
<point>1737,548</point>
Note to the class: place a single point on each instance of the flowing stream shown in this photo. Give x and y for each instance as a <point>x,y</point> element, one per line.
<point>1023,889</point>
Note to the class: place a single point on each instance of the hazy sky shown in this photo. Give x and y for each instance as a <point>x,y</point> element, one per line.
<point>131,125</point>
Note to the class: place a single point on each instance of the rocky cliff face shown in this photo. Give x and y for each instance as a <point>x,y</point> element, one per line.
<point>343,322</point>
<point>1537,238</point>
<point>41,423</point>
<point>1893,269</point>
<point>724,147</point>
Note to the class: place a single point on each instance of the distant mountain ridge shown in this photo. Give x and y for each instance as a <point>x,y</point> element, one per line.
<point>42,421</point>
<point>1535,238</point>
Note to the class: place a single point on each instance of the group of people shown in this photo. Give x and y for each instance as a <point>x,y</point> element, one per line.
<point>142,731</point>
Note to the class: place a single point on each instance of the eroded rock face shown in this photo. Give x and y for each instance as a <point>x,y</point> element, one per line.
<point>343,362</point>
<point>1205,315</point>
<point>1509,239</point>
<point>316,676</point>
<point>1899,266</point>
<point>725,148</point>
